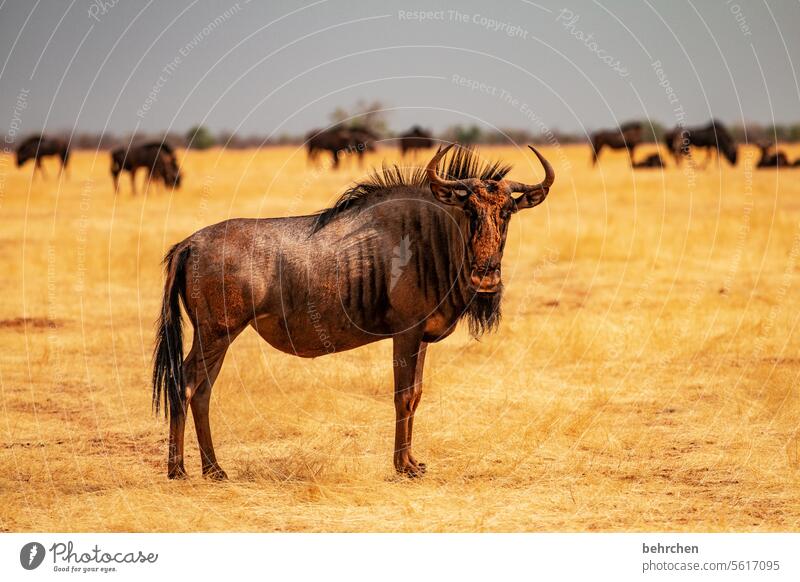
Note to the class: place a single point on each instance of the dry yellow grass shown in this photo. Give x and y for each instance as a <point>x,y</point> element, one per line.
<point>645,376</point>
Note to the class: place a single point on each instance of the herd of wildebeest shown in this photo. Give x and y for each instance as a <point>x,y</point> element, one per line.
<point>160,162</point>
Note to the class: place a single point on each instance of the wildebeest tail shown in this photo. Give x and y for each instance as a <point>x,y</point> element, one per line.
<point>168,381</point>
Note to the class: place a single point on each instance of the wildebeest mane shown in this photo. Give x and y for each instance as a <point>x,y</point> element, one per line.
<point>159,144</point>
<point>29,141</point>
<point>463,164</point>
<point>630,125</point>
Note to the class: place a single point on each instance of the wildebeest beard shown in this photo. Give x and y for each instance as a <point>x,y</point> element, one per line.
<point>483,312</point>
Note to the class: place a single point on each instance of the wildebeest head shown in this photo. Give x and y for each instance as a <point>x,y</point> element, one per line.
<point>729,150</point>
<point>25,153</point>
<point>489,205</point>
<point>167,169</point>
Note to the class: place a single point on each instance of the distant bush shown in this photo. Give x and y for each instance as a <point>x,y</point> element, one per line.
<point>199,138</point>
<point>366,116</point>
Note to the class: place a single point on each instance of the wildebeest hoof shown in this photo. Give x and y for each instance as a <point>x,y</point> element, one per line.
<point>412,470</point>
<point>215,474</point>
<point>177,473</point>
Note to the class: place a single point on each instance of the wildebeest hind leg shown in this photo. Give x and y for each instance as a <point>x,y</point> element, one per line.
<point>595,153</point>
<point>202,367</point>
<point>177,423</point>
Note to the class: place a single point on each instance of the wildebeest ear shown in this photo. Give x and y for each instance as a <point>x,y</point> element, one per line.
<point>533,194</point>
<point>454,196</point>
<point>447,191</point>
<point>531,199</point>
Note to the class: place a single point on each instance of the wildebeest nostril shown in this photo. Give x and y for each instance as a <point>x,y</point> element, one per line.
<point>486,279</point>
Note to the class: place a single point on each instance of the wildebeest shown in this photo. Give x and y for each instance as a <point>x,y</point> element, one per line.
<point>404,255</point>
<point>415,139</point>
<point>771,159</point>
<point>651,161</point>
<point>339,139</point>
<point>38,146</point>
<point>714,137</point>
<point>157,158</point>
<point>628,136</point>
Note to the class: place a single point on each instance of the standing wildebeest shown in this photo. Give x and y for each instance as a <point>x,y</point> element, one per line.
<point>714,137</point>
<point>330,282</point>
<point>628,136</point>
<point>769,159</point>
<point>415,139</point>
<point>337,140</point>
<point>37,147</point>
<point>651,161</point>
<point>156,157</point>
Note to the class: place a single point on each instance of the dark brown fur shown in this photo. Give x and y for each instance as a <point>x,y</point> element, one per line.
<point>157,158</point>
<point>651,161</point>
<point>714,138</point>
<point>415,139</point>
<point>339,140</point>
<point>628,136</point>
<point>37,147</point>
<point>770,159</point>
<point>404,256</point>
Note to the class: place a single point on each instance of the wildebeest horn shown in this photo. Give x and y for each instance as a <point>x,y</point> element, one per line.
<point>534,194</point>
<point>444,189</point>
<point>432,166</point>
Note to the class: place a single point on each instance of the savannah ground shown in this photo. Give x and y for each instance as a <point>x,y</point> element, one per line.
<point>644,377</point>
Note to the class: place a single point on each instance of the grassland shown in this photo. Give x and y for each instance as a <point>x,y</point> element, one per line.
<point>645,375</point>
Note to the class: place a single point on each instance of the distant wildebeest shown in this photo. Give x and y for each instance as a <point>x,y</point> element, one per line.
<point>337,140</point>
<point>404,255</point>
<point>37,147</point>
<point>714,137</point>
<point>771,159</point>
<point>415,139</point>
<point>156,157</point>
<point>628,136</point>
<point>651,161</point>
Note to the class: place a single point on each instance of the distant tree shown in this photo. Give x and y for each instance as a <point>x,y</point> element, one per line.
<point>785,132</point>
<point>370,116</point>
<point>340,115</point>
<point>469,135</point>
<point>199,138</point>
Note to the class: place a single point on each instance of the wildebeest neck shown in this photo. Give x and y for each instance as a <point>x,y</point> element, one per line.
<point>406,250</point>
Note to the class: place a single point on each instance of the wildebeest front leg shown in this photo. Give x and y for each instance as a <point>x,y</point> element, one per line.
<point>40,167</point>
<point>406,393</point>
<point>709,153</point>
<point>417,397</point>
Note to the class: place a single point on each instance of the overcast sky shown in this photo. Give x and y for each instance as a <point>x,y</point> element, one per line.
<point>275,67</point>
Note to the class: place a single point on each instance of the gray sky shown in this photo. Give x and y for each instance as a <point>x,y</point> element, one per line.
<point>262,67</point>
